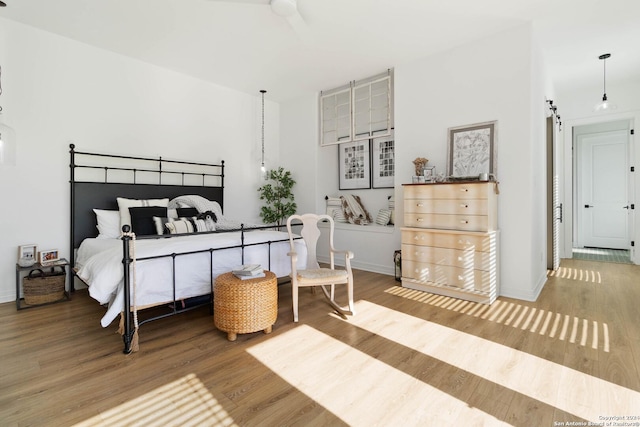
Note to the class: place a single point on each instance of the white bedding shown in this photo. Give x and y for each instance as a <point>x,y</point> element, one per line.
<point>99,263</point>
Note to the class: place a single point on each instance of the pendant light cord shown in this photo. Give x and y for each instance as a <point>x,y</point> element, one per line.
<point>604,78</point>
<point>263,92</point>
<point>604,57</point>
<point>0,86</point>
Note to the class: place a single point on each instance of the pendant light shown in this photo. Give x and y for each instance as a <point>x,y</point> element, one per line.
<point>7,139</point>
<point>605,104</point>
<point>263,170</point>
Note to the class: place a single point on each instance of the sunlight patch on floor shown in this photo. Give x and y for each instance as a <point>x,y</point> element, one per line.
<point>553,325</point>
<point>185,402</point>
<point>571,391</point>
<point>576,274</point>
<point>358,388</point>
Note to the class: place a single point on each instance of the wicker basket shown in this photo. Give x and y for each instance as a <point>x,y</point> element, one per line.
<point>41,287</point>
<point>244,306</point>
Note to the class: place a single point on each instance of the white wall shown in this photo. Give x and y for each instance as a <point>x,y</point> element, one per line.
<point>540,92</point>
<point>489,79</point>
<point>315,169</point>
<point>57,91</point>
<point>299,126</point>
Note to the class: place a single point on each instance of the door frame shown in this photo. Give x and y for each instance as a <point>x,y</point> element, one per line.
<point>602,131</point>
<point>568,178</point>
<point>554,206</point>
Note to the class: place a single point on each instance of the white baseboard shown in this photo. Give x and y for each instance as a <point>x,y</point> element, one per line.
<point>524,295</point>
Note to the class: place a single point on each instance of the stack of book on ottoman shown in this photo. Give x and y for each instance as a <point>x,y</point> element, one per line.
<point>248,271</point>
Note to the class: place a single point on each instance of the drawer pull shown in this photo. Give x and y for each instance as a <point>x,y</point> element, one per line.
<point>419,205</point>
<point>419,219</point>
<point>464,221</point>
<point>464,190</point>
<point>462,205</point>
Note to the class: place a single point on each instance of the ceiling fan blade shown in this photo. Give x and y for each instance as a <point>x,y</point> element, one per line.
<point>286,9</point>
<point>298,24</point>
<point>266,2</point>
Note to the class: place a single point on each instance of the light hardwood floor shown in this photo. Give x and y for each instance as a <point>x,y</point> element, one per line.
<point>406,358</point>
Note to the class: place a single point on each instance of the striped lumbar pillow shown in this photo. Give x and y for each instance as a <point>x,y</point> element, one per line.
<point>384,215</point>
<point>180,226</point>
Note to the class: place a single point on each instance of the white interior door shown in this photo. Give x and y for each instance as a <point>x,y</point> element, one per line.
<point>603,212</point>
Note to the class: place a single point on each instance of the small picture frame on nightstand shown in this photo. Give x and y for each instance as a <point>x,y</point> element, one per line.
<point>429,174</point>
<point>27,254</point>
<point>49,256</point>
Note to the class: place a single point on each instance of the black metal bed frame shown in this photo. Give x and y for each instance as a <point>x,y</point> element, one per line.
<point>89,195</point>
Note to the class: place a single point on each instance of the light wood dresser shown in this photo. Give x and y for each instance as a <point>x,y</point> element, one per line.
<point>450,239</point>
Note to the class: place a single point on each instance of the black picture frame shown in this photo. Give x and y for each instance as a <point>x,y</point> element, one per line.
<point>383,161</point>
<point>354,165</point>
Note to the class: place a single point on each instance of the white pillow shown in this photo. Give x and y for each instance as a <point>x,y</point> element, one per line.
<point>108,224</point>
<point>332,203</point>
<point>125,204</point>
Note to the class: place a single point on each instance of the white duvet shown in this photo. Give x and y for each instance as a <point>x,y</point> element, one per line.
<point>99,263</point>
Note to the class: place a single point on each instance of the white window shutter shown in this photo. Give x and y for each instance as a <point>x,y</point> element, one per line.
<point>361,111</point>
<point>335,110</point>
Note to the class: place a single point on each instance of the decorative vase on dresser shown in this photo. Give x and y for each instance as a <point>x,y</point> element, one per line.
<point>450,239</point>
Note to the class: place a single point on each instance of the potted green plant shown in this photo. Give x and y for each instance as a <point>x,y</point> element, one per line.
<point>278,197</point>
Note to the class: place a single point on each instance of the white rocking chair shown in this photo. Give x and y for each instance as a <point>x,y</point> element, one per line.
<point>314,275</point>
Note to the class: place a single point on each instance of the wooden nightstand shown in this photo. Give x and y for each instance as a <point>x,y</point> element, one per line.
<point>61,264</point>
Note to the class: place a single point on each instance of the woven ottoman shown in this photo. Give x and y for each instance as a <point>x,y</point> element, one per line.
<point>244,306</point>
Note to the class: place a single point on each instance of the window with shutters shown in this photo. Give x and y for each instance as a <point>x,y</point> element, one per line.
<point>360,110</point>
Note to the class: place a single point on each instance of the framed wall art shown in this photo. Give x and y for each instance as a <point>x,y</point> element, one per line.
<point>472,150</point>
<point>354,165</point>
<point>383,162</point>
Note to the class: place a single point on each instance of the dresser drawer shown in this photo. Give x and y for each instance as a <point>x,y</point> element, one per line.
<point>455,240</point>
<point>447,206</point>
<point>447,222</point>
<point>460,278</point>
<point>451,257</point>
<point>448,191</point>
